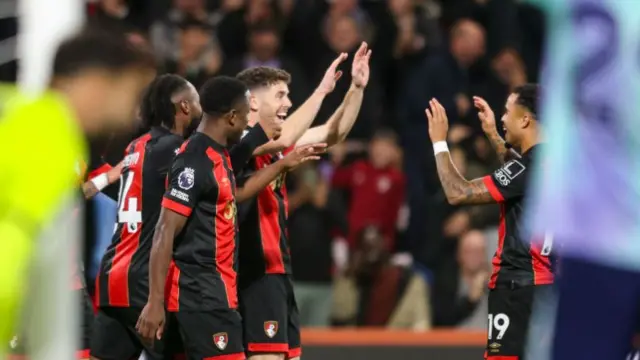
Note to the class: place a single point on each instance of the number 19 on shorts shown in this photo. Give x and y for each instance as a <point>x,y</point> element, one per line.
<point>499,322</point>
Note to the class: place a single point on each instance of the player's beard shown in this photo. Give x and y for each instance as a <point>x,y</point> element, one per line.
<point>193,126</point>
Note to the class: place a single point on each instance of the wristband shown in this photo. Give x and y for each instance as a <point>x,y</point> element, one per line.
<point>101,181</point>
<point>440,146</point>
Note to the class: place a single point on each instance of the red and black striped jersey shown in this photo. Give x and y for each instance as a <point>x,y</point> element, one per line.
<point>517,260</point>
<point>264,247</point>
<point>202,274</point>
<point>124,272</point>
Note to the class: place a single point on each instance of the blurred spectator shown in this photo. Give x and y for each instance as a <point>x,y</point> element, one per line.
<point>460,289</point>
<point>264,50</point>
<point>315,211</point>
<point>376,187</point>
<point>165,33</point>
<point>445,77</point>
<point>122,13</point>
<point>240,16</point>
<point>196,59</point>
<point>374,292</point>
<point>417,29</point>
<point>344,35</point>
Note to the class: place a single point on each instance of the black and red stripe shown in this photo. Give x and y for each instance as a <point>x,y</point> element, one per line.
<point>523,256</point>
<point>118,261</point>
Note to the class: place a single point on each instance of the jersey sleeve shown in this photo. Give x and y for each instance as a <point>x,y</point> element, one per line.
<point>508,182</point>
<point>242,152</point>
<point>189,178</point>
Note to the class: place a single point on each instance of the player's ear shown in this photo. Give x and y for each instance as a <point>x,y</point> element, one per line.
<point>253,102</point>
<point>526,120</point>
<point>232,117</point>
<point>184,107</point>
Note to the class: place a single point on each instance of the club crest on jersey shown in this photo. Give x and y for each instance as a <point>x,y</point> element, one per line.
<point>271,328</point>
<point>221,340</point>
<point>186,179</point>
<point>230,210</point>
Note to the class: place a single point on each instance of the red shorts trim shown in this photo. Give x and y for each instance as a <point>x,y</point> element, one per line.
<point>268,348</point>
<point>502,357</point>
<point>294,353</point>
<point>236,356</point>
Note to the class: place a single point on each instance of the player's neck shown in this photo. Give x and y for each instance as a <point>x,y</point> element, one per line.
<point>211,128</point>
<point>528,144</point>
<point>254,118</point>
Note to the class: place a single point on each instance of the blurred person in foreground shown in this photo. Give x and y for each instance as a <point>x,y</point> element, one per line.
<point>522,269</point>
<point>375,292</point>
<point>97,79</point>
<point>459,293</point>
<point>376,187</point>
<point>586,191</point>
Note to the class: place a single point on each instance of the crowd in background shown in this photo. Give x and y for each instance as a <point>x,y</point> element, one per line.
<point>373,240</point>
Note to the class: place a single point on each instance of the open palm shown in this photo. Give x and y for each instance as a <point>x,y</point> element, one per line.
<point>360,67</point>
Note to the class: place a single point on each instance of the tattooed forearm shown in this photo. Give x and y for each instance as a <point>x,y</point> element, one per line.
<point>89,190</point>
<point>499,145</point>
<point>457,189</point>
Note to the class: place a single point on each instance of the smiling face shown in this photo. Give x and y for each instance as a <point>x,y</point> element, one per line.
<point>272,102</point>
<point>512,120</point>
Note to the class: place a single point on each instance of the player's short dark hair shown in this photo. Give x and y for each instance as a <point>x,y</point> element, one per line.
<point>96,48</point>
<point>263,76</point>
<point>156,107</point>
<point>219,94</point>
<point>528,96</point>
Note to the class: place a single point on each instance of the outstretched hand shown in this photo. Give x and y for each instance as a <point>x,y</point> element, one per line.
<point>360,67</point>
<point>485,114</point>
<point>438,122</point>
<point>302,154</point>
<point>332,75</point>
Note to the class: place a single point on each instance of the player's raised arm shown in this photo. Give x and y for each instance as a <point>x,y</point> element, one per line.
<point>296,124</point>
<point>188,180</point>
<point>264,176</point>
<point>488,121</point>
<point>457,189</point>
<point>340,123</point>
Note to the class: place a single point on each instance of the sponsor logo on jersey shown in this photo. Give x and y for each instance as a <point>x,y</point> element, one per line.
<point>186,179</point>
<point>179,195</point>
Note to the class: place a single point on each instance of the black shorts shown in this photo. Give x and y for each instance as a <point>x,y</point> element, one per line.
<point>509,318</point>
<point>209,334</point>
<point>115,336</point>
<point>18,343</point>
<point>271,321</point>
